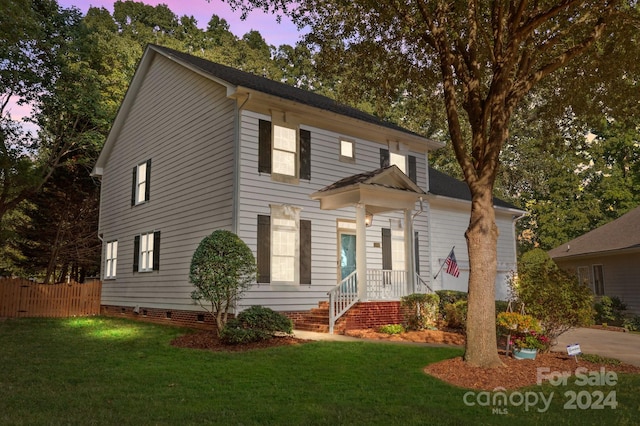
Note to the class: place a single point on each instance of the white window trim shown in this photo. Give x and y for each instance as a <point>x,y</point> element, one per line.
<point>111,260</point>
<point>145,263</point>
<point>291,214</point>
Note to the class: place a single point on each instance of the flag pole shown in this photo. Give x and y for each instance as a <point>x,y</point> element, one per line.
<point>443,263</point>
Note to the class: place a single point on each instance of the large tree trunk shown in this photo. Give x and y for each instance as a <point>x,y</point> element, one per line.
<point>482,241</point>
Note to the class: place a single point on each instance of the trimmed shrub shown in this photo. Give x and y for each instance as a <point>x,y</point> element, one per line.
<point>610,310</point>
<point>422,310</point>
<point>391,329</point>
<point>449,296</point>
<point>255,324</point>
<point>632,324</point>
<point>222,268</point>
<point>455,314</point>
<point>265,319</point>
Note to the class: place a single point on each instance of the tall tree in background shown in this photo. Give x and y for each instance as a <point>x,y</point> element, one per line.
<point>483,58</point>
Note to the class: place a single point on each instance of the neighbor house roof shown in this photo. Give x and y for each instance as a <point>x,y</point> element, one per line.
<point>621,234</point>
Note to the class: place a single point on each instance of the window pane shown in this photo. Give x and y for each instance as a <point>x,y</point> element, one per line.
<point>282,268</point>
<point>284,138</point>
<point>398,160</point>
<point>284,163</point>
<point>397,250</point>
<point>346,149</point>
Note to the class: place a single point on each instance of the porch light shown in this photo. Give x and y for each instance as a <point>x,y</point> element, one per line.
<point>368,219</point>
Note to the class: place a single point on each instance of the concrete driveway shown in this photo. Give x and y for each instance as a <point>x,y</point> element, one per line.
<point>610,344</point>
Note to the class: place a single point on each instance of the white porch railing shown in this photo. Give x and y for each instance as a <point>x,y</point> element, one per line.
<point>421,285</point>
<point>342,297</point>
<point>383,284</point>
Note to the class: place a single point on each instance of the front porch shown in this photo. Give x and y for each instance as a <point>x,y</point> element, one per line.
<point>381,191</point>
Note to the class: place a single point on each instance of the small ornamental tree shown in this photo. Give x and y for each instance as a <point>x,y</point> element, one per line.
<point>552,295</point>
<point>222,268</point>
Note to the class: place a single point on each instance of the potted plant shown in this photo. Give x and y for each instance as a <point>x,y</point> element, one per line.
<point>527,345</point>
<point>525,334</point>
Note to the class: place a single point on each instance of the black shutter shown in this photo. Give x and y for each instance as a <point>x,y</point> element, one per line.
<point>133,185</point>
<point>305,154</point>
<point>147,182</point>
<point>384,157</point>
<point>413,172</point>
<point>264,146</point>
<point>386,249</point>
<point>156,251</point>
<point>136,253</point>
<point>416,244</point>
<point>305,252</point>
<point>264,249</point>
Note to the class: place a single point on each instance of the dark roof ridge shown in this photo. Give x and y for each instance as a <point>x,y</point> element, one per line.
<point>276,88</point>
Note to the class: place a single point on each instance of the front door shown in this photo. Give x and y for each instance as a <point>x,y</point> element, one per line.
<point>347,254</point>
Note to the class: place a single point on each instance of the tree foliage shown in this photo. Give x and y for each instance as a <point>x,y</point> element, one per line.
<point>222,269</point>
<point>483,59</point>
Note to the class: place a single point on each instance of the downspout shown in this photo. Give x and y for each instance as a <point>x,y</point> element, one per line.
<point>235,209</point>
<point>413,245</point>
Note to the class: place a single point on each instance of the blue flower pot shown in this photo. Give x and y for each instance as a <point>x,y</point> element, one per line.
<point>525,353</point>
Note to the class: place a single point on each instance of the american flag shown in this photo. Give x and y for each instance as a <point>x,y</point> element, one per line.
<point>452,265</point>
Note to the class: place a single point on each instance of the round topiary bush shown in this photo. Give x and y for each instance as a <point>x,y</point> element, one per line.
<point>222,268</point>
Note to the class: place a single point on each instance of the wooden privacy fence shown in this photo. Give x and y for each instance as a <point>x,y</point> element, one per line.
<point>23,298</point>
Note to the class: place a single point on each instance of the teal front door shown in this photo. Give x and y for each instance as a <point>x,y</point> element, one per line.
<point>347,254</point>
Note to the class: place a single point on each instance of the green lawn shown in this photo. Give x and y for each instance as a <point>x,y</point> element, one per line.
<point>109,371</point>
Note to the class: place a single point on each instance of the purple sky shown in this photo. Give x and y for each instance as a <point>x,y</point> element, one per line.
<point>274,33</point>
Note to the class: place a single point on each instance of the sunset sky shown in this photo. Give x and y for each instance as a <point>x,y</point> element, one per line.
<point>274,33</point>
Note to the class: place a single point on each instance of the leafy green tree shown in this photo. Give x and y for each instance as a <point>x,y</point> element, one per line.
<point>483,58</point>
<point>552,295</point>
<point>222,269</point>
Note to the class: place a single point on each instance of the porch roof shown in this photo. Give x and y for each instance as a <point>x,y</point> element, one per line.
<point>382,190</point>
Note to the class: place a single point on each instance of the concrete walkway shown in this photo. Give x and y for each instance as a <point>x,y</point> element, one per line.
<point>610,344</point>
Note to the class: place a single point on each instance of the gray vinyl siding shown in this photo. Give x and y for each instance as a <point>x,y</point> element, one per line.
<point>621,272</point>
<point>185,124</point>
<point>258,191</point>
<point>448,225</point>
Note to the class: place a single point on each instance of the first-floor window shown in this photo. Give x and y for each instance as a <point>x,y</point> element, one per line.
<point>146,256</point>
<point>583,275</point>
<point>598,280</point>
<point>111,259</point>
<point>284,247</point>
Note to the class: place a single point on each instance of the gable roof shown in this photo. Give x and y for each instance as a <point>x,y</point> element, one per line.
<point>272,87</point>
<point>620,234</point>
<point>441,184</point>
<point>389,177</point>
<point>242,85</point>
<point>382,190</point>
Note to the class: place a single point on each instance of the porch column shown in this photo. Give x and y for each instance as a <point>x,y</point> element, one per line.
<point>361,251</point>
<point>409,257</point>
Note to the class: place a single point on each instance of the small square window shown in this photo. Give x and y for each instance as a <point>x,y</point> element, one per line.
<point>347,151</point>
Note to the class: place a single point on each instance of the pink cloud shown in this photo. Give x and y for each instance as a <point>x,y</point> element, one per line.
<point>202,10</point>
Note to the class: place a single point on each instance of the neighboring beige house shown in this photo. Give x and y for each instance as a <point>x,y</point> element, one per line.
<point>335,203</point>
<point>607,259</point>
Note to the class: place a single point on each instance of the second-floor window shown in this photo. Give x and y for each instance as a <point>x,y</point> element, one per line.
<point>403,162</point>
<point>141,183</point>
<point>284,152</point>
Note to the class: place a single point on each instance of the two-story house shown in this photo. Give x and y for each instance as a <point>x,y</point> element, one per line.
<point>335,203</point>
